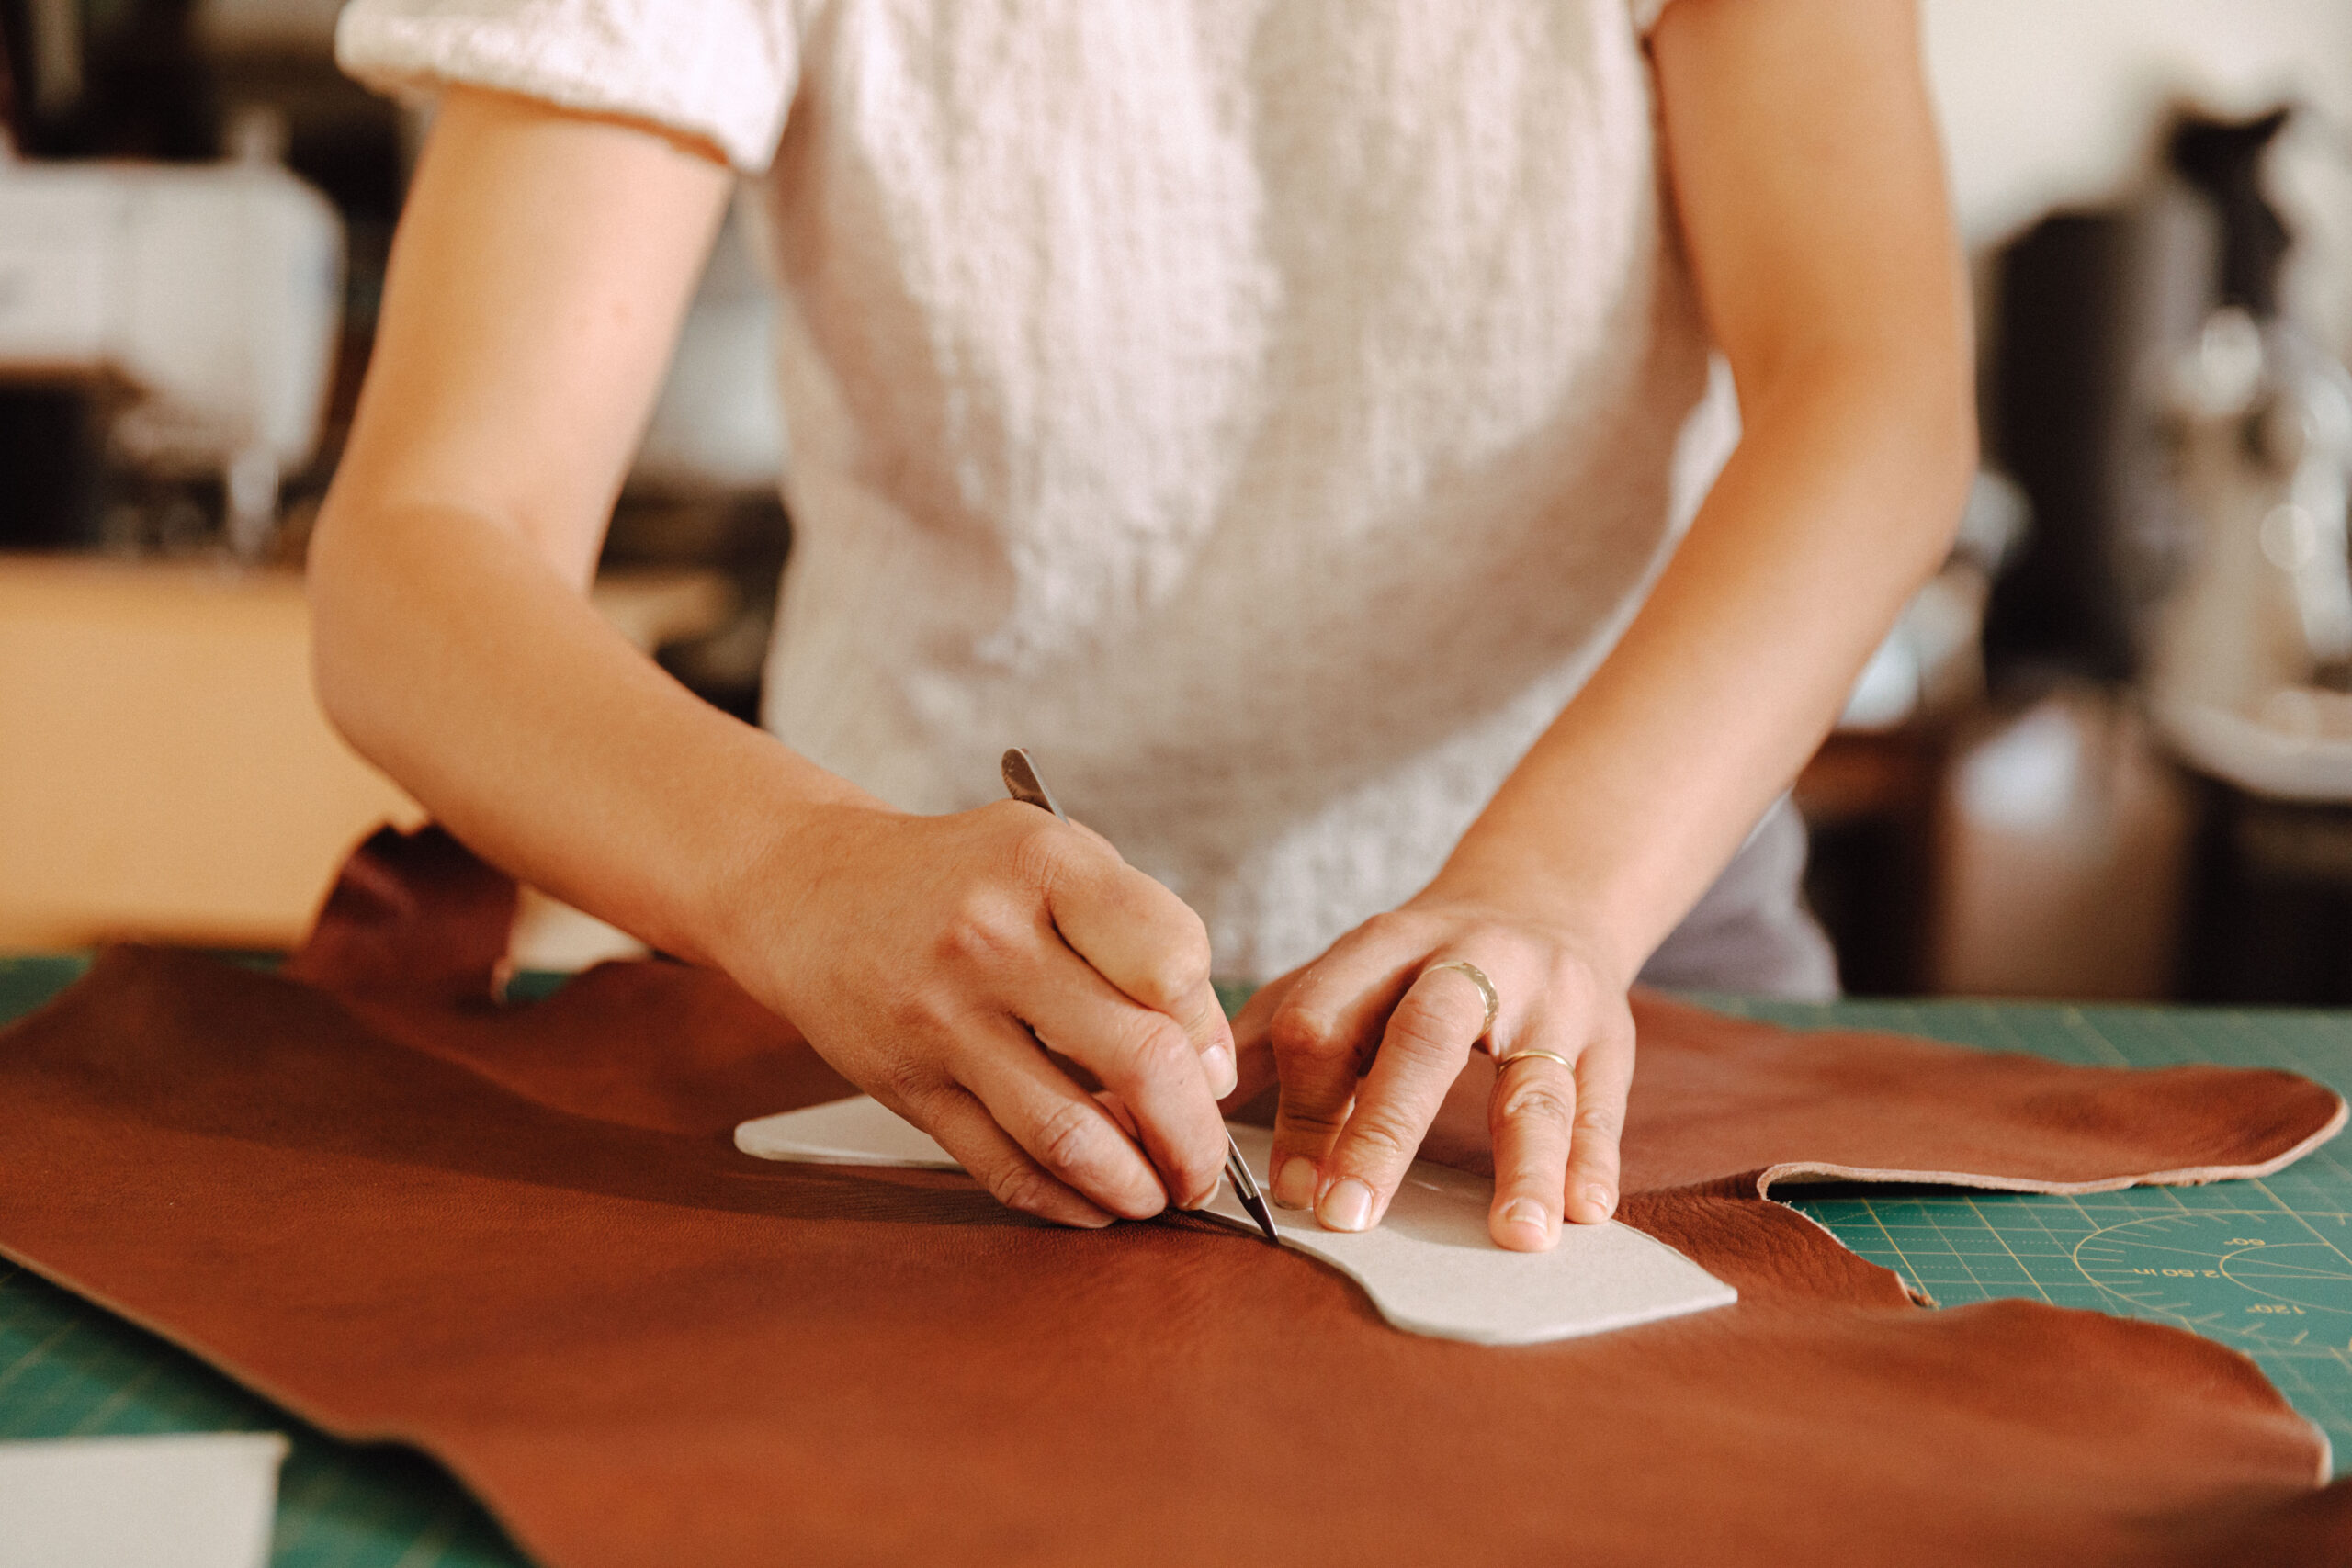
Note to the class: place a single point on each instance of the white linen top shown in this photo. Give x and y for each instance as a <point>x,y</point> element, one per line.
<point>1266,413</point>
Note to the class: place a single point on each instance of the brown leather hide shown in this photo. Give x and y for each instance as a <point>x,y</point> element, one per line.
<point>520,1238</point>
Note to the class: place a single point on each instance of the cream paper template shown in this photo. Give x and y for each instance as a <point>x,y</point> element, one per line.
<point>1428,1266</point>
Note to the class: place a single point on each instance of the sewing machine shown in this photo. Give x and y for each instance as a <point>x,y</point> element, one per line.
<point>201,303</point>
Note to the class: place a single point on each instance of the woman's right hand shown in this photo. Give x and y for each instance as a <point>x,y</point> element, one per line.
<point>930,958</point>
<point>544,261</point>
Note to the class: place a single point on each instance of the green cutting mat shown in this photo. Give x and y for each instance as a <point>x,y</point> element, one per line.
<point>68,1369</point>
<point>2263,1267</point>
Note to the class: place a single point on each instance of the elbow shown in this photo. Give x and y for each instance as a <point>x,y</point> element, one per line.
<point>1907,415</point>
<point>1894,418</point>
<point>1951,449</point>
<point>1888,396</point>
<point>336,582</point>
<point>1947,450</point>
<point>1931,373</point>
<point>1947,376</point>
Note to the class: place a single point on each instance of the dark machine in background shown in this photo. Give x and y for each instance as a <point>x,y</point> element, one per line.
<point>104,101</point>
<point>2184,449</point>
<point>146,149</point>
<point>2137,364</point>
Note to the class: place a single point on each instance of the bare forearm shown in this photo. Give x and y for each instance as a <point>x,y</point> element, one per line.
<point>1841,499</point>
<point>535,284</point>
<point>453,656</point>
<point>1808,181</point>
<point>542,265</point>
<point>1804,171</point>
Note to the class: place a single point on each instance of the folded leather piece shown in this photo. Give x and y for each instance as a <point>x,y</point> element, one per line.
<point>518,1237</point>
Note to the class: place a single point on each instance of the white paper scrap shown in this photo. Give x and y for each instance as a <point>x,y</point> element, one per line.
<point>1429,1266</point>
<point>175,1500</point>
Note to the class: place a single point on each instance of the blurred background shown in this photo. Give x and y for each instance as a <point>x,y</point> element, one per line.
<point>2107,753</point>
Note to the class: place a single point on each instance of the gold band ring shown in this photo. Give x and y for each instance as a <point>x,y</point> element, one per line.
<point>1478,978</point>
<point>1502,1062</point>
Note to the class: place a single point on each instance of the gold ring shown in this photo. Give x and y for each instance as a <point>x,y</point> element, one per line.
<point>1485,990</point>
<point>1502,1062</point>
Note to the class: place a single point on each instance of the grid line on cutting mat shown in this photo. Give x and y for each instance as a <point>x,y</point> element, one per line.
<point>2263,1267</point>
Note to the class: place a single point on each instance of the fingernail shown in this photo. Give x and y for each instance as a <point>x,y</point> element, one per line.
<point>1597,1203</point>
<point>1218,1062</point>
<point>1294,1183</point>
<point>1528,1215</point>
<point>1347,1207</point>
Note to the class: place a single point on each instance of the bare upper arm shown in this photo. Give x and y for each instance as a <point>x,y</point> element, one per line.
<point>1810,185</point>
<point>543,263</point>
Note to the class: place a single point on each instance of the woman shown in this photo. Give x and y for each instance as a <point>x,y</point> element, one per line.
<point>1266,413</point>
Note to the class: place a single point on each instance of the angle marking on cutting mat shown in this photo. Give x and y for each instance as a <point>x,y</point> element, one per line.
<point>2270,1277</point>
<point>1995,1245</point>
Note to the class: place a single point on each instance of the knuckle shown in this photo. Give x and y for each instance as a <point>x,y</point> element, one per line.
<point>1065,1140</point>
<point>1382,1139</point>
<point>1180,973</point>
<point>1603,1117</point>
<point>1539,1104</point>
<point>1040,850</point>
<point>1303,1128</point>
<point>976,933</point>
<point>1298,1035</point>
<point>1422,1028</point>
<point>908,1079</point>
<point>1166,987</point>
<point>1150,1045</point>
<point>1574,987</point>
<point>1025,1187</point>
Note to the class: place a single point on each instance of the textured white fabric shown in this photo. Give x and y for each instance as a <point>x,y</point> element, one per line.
<point>721,69</point>
<point>1646,13</point>
<point>1262,411</point>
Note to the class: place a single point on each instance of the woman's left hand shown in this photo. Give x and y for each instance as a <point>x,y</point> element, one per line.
<point>1368,1038</point>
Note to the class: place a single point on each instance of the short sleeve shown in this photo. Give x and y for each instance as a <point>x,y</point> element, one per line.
<point>721,69</point>
<point>1646,14</point>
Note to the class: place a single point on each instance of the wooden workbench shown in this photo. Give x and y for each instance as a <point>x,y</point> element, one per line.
<point>164,770</point>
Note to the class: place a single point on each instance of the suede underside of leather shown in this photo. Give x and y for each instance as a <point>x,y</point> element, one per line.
<point>519,1237</point>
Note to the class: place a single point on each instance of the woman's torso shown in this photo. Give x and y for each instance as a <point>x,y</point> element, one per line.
<point>1264,412</point>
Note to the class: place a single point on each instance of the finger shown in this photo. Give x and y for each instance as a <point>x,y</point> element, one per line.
<point>1202,1018</point>
<point>1604,1078</point>
<point>1060,1127</point>
<point>1427,1041</point>
<point>1142,939</point>
<point>1119,1112</point>
<point>1322,1034</point>
<point>1253,1046</point>
<point>1530,1114</point>
<point>1141,1055</point>
<point>962,1126</point>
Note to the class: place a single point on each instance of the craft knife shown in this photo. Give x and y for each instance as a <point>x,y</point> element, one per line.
<point>1022,783</point>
